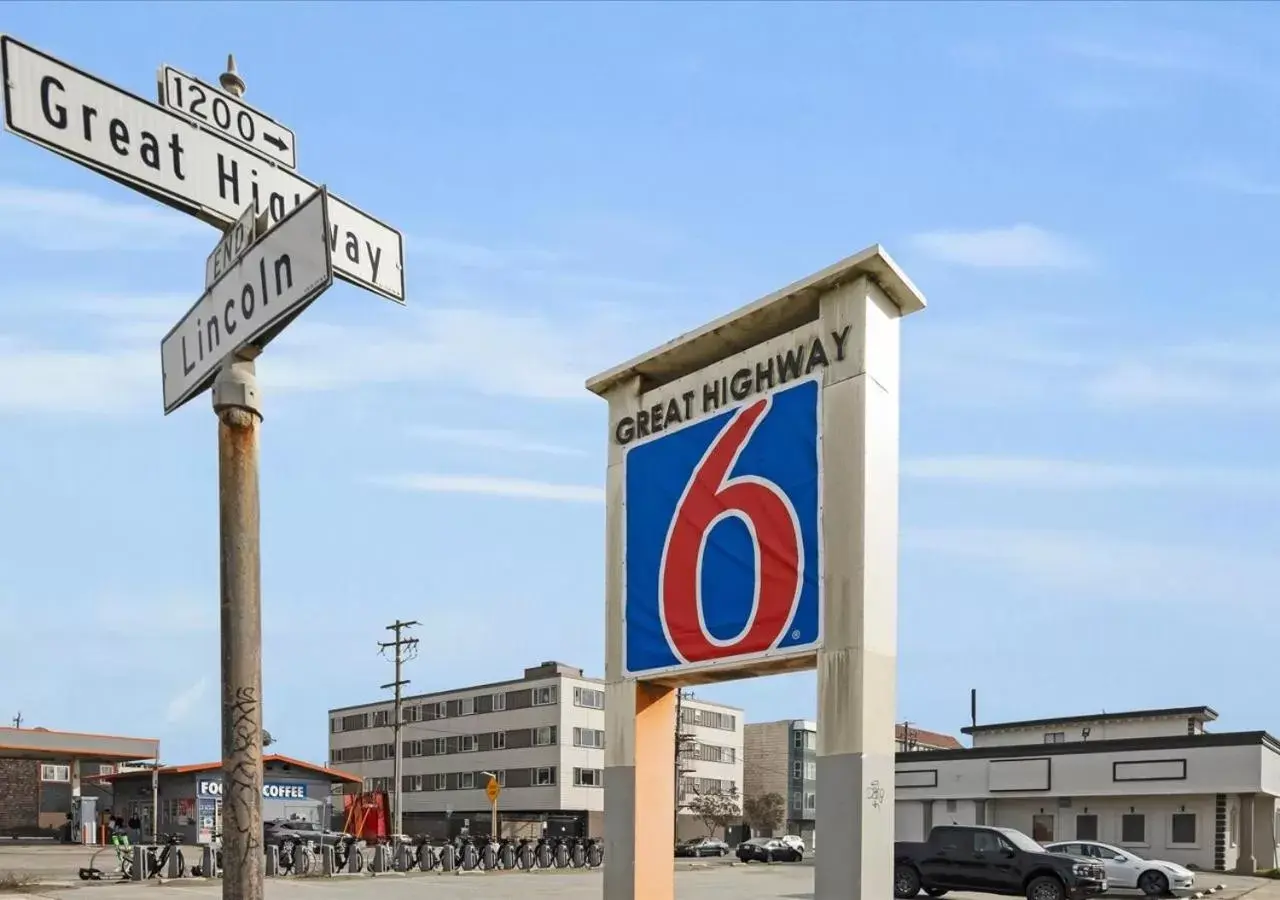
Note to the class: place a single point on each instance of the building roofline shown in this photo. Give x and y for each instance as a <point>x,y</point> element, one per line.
<point>510,682</point>
<point>1116,745</point>
<point>196,768</point>
<point>1204,712</point>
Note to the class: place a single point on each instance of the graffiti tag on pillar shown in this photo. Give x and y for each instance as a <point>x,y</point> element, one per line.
<point>876,794</point>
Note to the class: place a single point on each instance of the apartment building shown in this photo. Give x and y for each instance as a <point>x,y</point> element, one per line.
<point>709,757</point>
<point>541,735</point>
<point>780,758</point>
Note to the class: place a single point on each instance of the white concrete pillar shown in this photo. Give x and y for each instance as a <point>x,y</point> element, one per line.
<point>1264,831</point>
<point>1246,864</point>
<point>857,666</point>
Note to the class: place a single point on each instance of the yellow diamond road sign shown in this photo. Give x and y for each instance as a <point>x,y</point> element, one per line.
<point>493,790</point>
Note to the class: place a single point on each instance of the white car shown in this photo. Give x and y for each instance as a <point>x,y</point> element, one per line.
<point>1154,877</point>
<point>795,843</point>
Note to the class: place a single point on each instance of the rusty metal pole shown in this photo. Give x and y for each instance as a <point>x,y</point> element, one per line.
<point>237,403</point>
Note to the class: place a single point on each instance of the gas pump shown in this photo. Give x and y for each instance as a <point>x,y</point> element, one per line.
<point>84,820</point>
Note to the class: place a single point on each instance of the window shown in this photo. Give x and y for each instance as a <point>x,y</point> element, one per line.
<point>335,726</point>
<point>499,702</point>
<point>413,748</point>
<point>810,801</point>
<point>796,797</point>
<point>413,782</point>
<point>588,737</point>
<point>1087,827</point>
<point>1231,826</point>
<point>466,780</point>
<point>106,769</point>
<point>797,769</point>
<point>1182,828</point>
<point>797,740</point>
<point>1042,829</point>
<point>501,775</point>
<point>437,782</point>
<point>544,736</point>
<point>499,740</point>
<point>442,710</point>
<point>588,777</point>
<point>411,713</point>
<point>544,696</point>
<point>810,770</point>
<point>380,718</point>
<point>439,746</point>
<point>1133,828</point>
<point>468,705</point>
<point>1055,737</point>
<point>544,776</point>
<point>588,698</point>
<point>466,743</point>
<point>55,773</point>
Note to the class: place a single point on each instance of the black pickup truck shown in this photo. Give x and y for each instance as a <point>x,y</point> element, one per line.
<point>991,861</point>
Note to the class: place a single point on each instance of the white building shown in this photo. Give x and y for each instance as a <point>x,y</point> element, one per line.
<point>542,735</point>
<point>1153,781</point>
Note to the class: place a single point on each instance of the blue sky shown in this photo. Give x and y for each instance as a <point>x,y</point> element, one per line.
<point>1086,194</point>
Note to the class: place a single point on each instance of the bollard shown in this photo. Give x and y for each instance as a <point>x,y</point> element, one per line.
<point>381,860</point>
<point>174,867</point>
<point>355,858</point>
<point>139,863</point>
<point>208,861</point>
<point>402,857</point>
<point>327,865</point>
<point>273,861</point>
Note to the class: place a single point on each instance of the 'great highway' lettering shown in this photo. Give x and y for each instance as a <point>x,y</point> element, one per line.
<point>274,203</point>
<point>775,370</point>
<point>91,126</point>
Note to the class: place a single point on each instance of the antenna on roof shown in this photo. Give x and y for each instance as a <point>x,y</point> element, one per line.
<point>973,707</point>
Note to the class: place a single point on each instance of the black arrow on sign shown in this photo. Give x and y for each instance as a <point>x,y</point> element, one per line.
<point>274,141</point>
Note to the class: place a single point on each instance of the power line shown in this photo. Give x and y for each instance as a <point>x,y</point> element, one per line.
<point>404,649</point>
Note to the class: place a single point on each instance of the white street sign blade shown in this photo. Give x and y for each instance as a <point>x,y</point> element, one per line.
<point>239,237</point>
<point>275,280</point>
<point>229,116</point>
<point>179,162</point>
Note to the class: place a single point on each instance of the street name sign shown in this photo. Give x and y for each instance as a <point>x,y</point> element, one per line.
<point>275,280</point>
<point>229,115</point>
<point>182,163</point>
<point>239,237</point>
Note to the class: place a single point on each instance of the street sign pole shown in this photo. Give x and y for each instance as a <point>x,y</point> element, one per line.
<point>238,405</point>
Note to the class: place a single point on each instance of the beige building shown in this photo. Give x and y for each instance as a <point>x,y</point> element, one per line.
<point>1154,781</point>
<point>541,735</point>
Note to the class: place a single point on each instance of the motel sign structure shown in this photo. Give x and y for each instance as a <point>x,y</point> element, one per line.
<point>752,528</point>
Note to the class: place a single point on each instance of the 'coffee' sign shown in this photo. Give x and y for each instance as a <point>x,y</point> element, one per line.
<point>272,790</point>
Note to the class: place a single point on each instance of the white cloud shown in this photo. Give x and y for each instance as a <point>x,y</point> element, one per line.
<point>40,379</point>
<point>493,439</point>
<point>186,702</point>
<point>72,221</point>
<point>1095,570</point>
<point>1166,384</point>
<point>515,488</point>
<point>1017,247</point>
<point>1061,474</point>
<point>1231,180</point>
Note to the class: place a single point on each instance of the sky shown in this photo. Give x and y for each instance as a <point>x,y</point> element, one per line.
<point>1085,193</point>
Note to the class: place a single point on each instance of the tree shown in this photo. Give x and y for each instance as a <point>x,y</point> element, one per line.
<point>765,812</point>
<point>716,809</point>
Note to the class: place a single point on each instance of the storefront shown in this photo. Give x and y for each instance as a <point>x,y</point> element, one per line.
<point>190,797</point>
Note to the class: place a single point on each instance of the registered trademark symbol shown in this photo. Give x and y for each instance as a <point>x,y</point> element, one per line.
<point>795,635</point>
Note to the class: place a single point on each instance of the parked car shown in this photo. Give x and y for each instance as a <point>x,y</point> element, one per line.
<point>990,860</point>
<point>1154,877</point>
<point>793,841</point>
<point>702,847</point>
<point>277,830</point>
<point>768,850</point>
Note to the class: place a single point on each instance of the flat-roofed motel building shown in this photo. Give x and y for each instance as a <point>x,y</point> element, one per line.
<point>1152,781</point>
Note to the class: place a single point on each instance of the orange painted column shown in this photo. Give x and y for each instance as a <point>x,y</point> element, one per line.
<point>640,795</point>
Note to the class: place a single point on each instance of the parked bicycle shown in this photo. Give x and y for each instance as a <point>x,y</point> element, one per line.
<point>347,855</point>
<point>157,858</point>
<point>595,852</point>
<point>296,857</point>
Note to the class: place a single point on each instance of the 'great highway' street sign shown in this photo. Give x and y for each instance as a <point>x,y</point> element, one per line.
<point>229,115</point>
<point>179,162</point>
<point>274,281</point>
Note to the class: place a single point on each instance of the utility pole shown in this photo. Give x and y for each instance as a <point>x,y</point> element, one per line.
<point>237,403</point>
<point>404,648</point>
<point>684,743</point>
<point>17,720</point>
